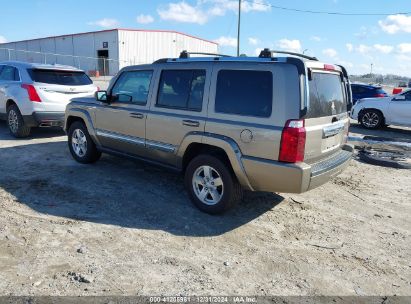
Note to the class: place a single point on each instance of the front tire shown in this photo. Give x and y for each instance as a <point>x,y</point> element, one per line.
<point>211,185</point>
<point>371,119</point>
<point>15,122</point>
<point>81,146</point>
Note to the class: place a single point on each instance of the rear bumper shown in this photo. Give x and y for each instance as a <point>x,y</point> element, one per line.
<point>272,176</point>
<point>44,119</point>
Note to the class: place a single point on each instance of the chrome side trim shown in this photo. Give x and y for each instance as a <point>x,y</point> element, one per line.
<point>160,146</point>
<point>130,139</point>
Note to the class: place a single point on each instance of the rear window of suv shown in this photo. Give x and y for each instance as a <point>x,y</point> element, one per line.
<point>59,77</point>
<point>246,93</point>
<point>327,97</point>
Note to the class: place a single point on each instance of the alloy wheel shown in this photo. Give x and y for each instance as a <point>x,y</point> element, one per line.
<point>79,142</point>
<point>13,121</point>
<point>208,185</point>
<point>370,119</point>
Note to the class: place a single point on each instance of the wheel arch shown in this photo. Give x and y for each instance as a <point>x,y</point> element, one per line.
<point>10,102</point>
<point>225,148</point>
<point>82,115</point>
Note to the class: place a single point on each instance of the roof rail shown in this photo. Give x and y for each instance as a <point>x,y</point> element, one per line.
<point>267,53</point>
<point>185,54</point>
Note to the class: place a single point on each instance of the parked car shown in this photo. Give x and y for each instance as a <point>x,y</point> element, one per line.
<point>402,84</point>
<point>36,95</point>
<point>360,91</point>
<point>227,123</point>
<point>373,113</point>
<point>409,84</point>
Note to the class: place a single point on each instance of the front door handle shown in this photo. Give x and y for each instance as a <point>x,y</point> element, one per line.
<point>137,115</point>
<point>191,123</point>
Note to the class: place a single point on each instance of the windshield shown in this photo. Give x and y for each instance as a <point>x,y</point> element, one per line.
<point>327,96</point>
<point>60,77</point>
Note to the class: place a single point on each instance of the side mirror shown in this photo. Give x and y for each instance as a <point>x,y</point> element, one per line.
<point>101,96</point>
<point>399,97</point>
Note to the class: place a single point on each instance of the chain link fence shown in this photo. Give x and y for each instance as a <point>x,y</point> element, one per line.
<point>93,66</point>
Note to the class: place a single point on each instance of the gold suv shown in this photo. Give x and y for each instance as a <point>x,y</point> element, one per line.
<point>268,123</point>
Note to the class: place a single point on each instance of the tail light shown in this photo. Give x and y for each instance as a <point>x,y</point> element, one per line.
<point>31,90</point>
<point>380,95</point>
<point>293,142</point>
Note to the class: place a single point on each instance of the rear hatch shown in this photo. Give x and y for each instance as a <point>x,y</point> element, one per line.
<point>57,87</point>
<point>327,119</point>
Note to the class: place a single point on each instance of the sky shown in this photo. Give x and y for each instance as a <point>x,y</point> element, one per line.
<point>357,42</point>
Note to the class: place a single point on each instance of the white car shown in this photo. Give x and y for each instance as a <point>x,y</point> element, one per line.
<point>373,113</point>
<point>36,95</point>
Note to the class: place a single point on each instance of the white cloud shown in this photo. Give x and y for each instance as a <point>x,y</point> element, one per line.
<point>385,49</point>
<point>253,41</point>
<point>106,23</point>
<point>226,41</point>
<point>290,45</point>
<point>203,10</point>
<point>144,19</point>
<point>183,12</point>
<point>330,53</point>
<point>220,7</point>
<point>350,47</point>
<point>403,57</point>
<point>316,38</point>
<point>257,51</point>
<point>404,48</point>
<point>3,39</point>
<point>396,23</point>
<point>363,49</point>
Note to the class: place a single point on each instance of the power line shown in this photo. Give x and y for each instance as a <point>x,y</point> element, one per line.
<point>323,12</point>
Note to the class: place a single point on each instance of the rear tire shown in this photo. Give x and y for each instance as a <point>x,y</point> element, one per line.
<point>371,119</point>
<point>82,147</point>
<point>15,122</point>
<point>211,185</point>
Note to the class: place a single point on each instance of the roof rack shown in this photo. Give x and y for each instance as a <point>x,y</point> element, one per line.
<point>185,54</point>
<point>267,53</point>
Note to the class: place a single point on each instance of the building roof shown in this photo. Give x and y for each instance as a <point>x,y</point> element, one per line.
<point>115,29</point>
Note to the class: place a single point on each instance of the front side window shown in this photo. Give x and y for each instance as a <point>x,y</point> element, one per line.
<point>182,89</point>
<point>9,73</point>
<point>247,93</point>
<point>132,87</point>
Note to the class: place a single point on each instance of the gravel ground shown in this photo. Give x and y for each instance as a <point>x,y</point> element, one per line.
<point>120,227</point>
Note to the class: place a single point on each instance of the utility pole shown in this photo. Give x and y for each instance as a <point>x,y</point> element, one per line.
<point>238,30</point>
<point>371,69</point>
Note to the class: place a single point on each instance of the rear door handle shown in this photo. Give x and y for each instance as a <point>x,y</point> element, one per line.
<point>191,123</point>
<point>137,115</point>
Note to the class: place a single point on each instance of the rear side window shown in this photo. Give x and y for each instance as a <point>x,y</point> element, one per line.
<point>9,73</point>
<point>247,93</point>
<point>326,96</point>
<point>59,77</point>
<point>182,89</point>
<point>132,87</point>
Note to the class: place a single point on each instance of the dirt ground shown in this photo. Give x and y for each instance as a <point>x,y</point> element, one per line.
<point>120,227</point>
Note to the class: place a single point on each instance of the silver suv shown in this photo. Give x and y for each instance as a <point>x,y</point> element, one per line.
<point>36,95</point>
<point>267,123</point>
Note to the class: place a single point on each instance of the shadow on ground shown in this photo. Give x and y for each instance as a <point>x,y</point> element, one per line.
<point>114,191</point>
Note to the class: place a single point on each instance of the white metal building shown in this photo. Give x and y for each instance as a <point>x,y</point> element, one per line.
<point>105,51</point>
